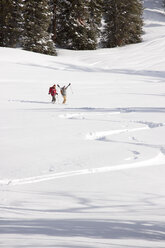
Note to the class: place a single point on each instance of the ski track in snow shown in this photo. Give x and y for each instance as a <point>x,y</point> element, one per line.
<point>104,134</point>
<point>78,116</point>
<point>158,160</point>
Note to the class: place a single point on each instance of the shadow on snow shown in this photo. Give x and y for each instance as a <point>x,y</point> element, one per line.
<point>103,110</point>
<point>84,68</point>
<point>100,229</point>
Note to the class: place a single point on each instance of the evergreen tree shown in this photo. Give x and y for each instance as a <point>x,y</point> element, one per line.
<point>95,10</point>
<point>123,22</point>
<point>164,3</point>
<point>52,28</point>
<point>10,22</point>
<point>37,20</point>
<point>73,24</point>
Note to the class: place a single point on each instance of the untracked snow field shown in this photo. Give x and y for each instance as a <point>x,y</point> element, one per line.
<point>88,174</point>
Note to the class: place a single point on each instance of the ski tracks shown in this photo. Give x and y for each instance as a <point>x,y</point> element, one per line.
<point>98,136</point>
<point>104,134</point>
<point>158,160</point>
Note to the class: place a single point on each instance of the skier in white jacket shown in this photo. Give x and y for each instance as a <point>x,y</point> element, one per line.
<point>63,92</point>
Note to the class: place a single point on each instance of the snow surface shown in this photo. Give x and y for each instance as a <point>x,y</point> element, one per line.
<point>88,174</point>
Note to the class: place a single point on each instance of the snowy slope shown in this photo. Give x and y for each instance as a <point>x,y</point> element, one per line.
<point>89,173</point>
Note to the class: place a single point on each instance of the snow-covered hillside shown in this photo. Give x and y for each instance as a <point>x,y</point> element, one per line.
<point>89,173</point>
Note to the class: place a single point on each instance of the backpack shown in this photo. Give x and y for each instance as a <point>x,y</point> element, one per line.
<point>52,90</point>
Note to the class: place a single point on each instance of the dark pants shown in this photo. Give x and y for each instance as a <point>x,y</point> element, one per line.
<point>54,98</point>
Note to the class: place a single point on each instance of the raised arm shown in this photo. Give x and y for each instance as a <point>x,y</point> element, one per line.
<point>68,85</point>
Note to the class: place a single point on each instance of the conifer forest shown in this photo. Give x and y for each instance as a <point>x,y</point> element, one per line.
<point>42,26</point>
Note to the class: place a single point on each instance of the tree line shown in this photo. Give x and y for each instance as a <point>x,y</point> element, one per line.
<point>41,26</point>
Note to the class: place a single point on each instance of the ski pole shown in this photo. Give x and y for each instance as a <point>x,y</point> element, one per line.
<point>71,89</point>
